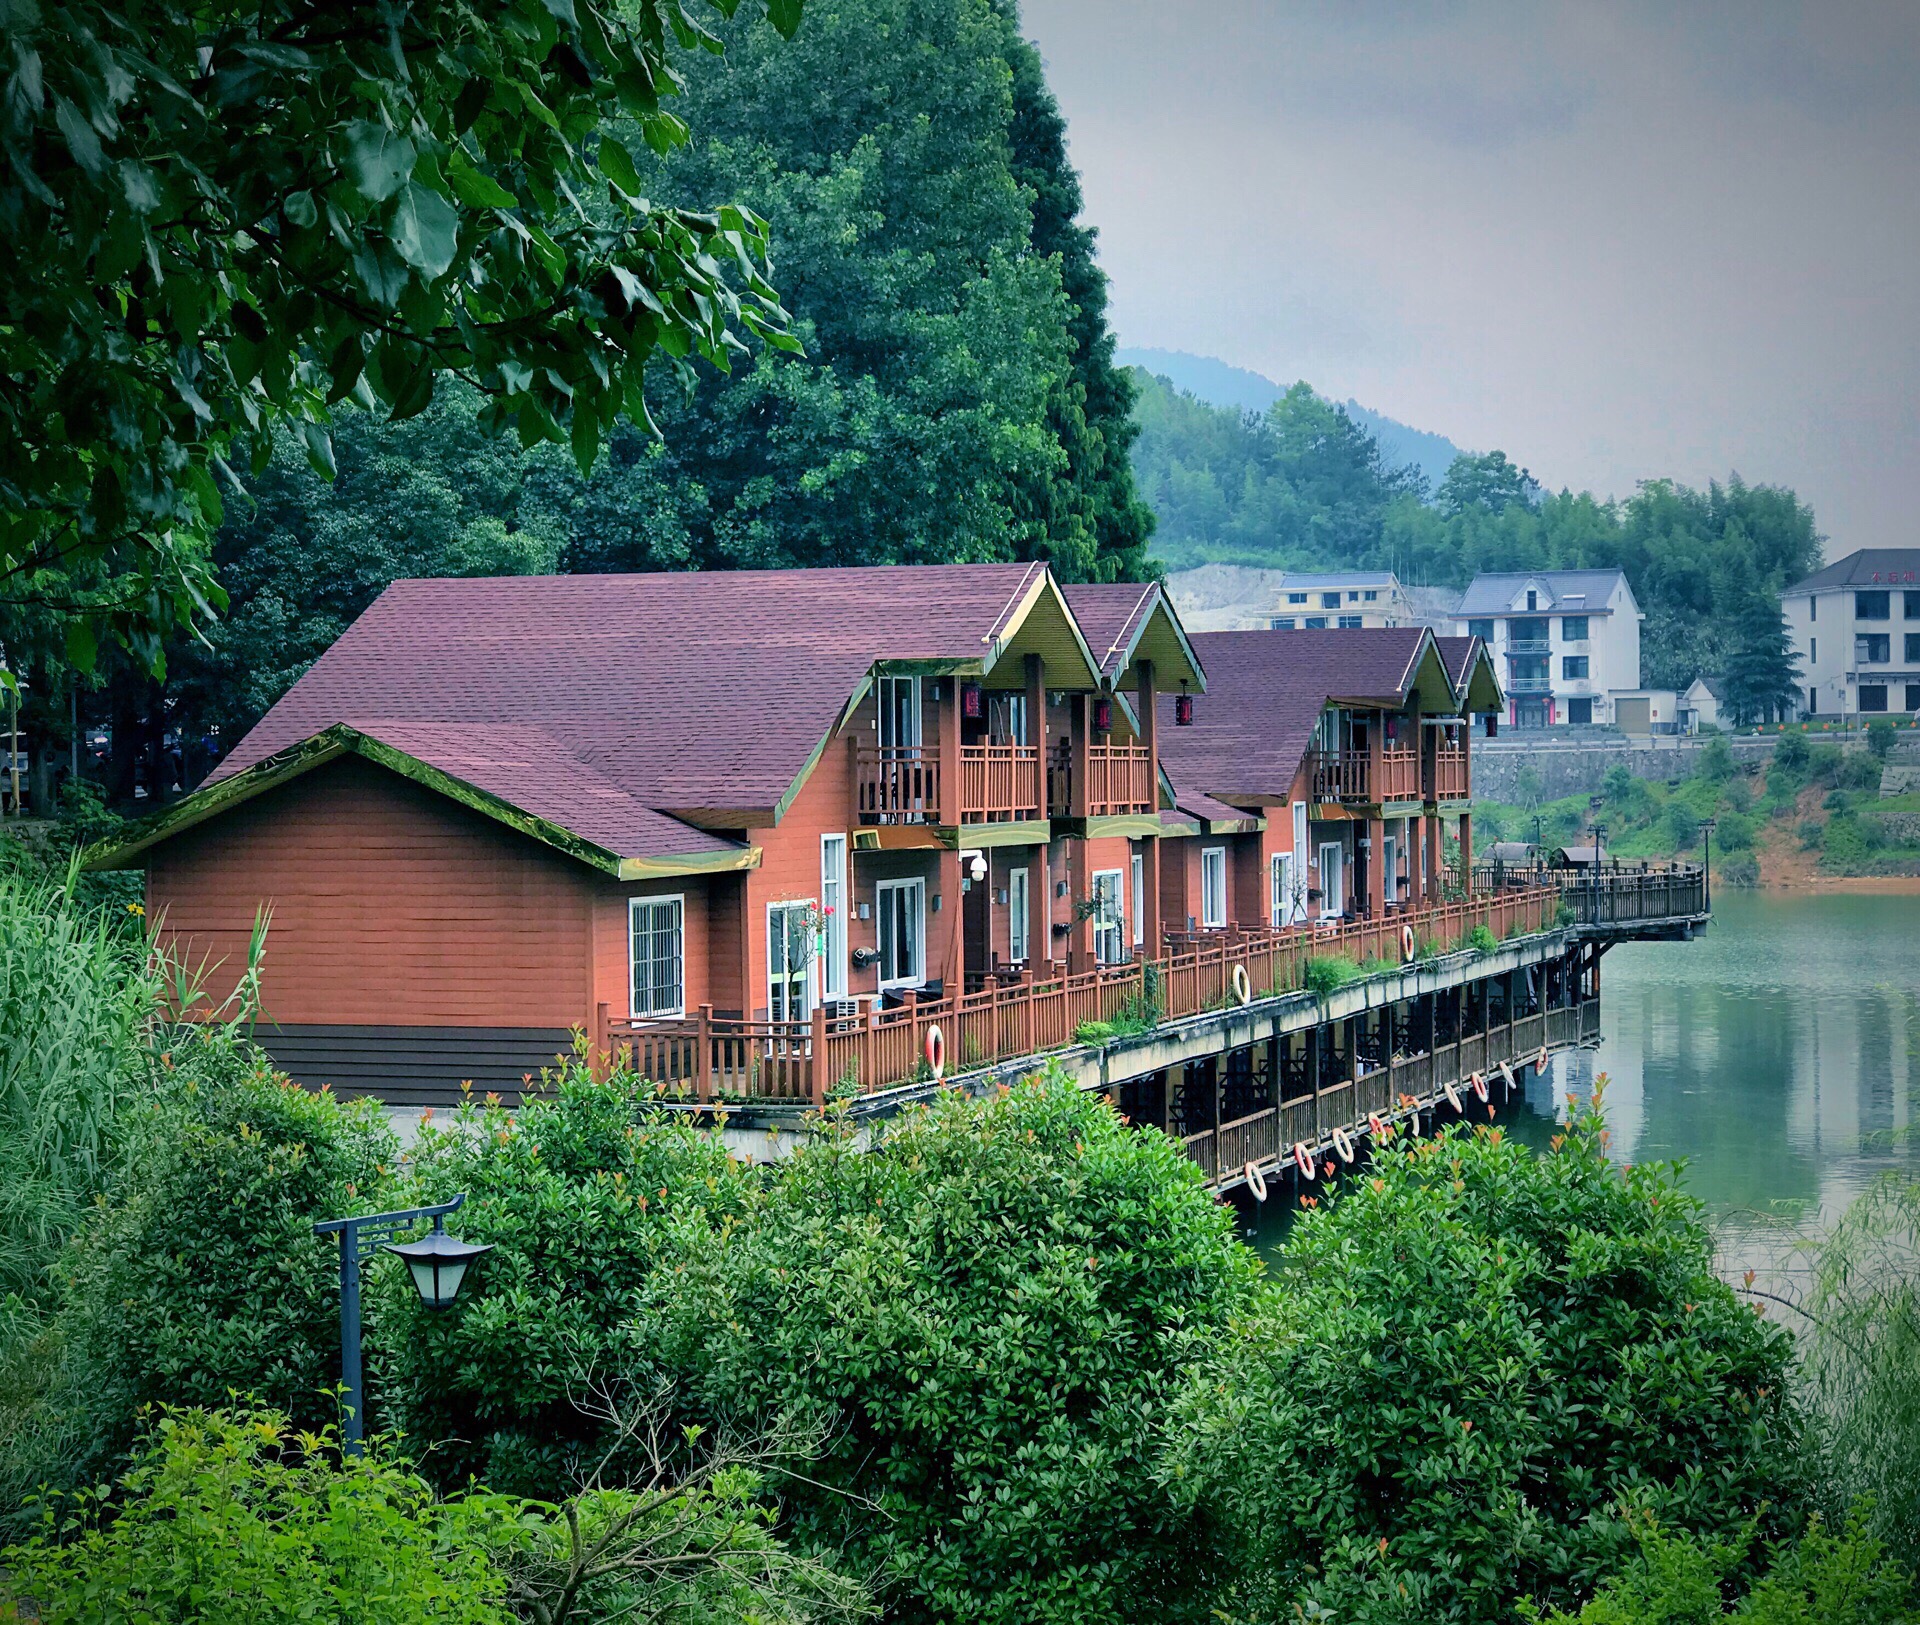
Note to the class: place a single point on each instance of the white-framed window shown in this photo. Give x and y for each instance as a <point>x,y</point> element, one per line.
<point>1333,880</point>
<point>1280,884</point>
<point>1299,832</point>
<point>1018,883</point>
<point>1109,919</point>
<point>790,960</point>
<point>902,909</point>
<point>656,955</point>
<point>899,700</point>
<point>1213,886</point>
<point>1139,898</point>
<point>1390,860</point>
<point>833,916</point>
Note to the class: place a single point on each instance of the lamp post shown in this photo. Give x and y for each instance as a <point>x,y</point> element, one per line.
<point>1706,870</point>
<point>438,1263</point>
<point>1537,856</point>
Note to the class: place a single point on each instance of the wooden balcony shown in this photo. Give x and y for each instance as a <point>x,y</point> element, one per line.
<point>1398,777</point>
<point>1343,775</point>
<point>1449,776</point>
<point>999,783</point>
<point>1119,780</point>
<point>904,784</point>
<point>896,784</point>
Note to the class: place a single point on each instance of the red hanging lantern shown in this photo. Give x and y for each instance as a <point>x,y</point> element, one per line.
<point>1103,715</point>
<point>1493,724</point>
<point>1183,708</point>
<point>973,701</point>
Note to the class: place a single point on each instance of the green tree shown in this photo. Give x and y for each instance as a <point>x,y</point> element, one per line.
<point>989,1311</point>
<point>1476,1359</point>
<point>1761,673</point>
<point>241,216</point>
<point>1490,483</point>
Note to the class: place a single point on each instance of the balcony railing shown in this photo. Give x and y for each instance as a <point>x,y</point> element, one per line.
<point>703,1056</point>
<point>1342,775</point>
<point>1524,647</point>
<point>1399,777</point>
<point>897,784</point>
<point>1119,780</point>
<point>1451,775</point>
<point>1529,685</point>
<point>902,784</point>
<point>999,783</point>
<point>1358,776</point>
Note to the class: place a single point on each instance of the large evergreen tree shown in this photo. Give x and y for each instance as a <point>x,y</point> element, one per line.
<point>1762,673</point>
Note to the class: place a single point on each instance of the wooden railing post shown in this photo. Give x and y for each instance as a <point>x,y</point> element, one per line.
<point>703,1058</point>
<point>818,1056</point>
<point>600,1057</point>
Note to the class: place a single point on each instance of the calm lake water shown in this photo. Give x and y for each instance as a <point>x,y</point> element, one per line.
<point>1778,1056</point>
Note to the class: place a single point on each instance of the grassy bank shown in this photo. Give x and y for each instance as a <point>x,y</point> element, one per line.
<point>1811,811</point>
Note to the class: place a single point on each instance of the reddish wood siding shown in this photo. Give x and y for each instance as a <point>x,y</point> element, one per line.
<point>391,905</point>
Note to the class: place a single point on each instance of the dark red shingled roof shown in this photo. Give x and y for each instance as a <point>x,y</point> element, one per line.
<point>1456,654</point>
<point>1109,613</point>
<point>679,692</point>
<point>1265,693</point>
<point>529,769</point>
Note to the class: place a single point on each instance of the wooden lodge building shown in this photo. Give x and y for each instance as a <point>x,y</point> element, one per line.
<point>788,805</point>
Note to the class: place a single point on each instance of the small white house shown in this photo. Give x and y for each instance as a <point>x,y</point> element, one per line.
<point>1699,706</point>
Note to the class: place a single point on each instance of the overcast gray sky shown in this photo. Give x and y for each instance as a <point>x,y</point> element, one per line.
<point>1614,240</point>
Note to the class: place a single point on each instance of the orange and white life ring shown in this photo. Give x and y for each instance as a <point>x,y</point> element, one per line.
<point>1303,1159</point>
<point>1506,1074</point>
<point>1376,1125</point>
<point>1242,985</point>
<point>1256,1182</point>
<point>1343,1145</point>
<point>1540,1060</point>
<point>1409,946</point>
<point>1453,1097</point>
<point>1479,1088</point>
<point>937,1053</point>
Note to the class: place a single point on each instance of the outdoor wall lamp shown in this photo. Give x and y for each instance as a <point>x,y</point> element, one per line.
<point>438,1264</point>
<point>977,866</point>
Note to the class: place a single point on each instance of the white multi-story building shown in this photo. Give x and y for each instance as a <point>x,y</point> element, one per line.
<point>1563,642</point>
<point>1346,598</point>
<point>1856,628</point>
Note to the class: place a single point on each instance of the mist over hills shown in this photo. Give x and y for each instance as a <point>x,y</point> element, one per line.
<point>1220,384</point>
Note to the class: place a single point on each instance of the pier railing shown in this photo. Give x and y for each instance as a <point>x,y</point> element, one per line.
<point>709,1057</point>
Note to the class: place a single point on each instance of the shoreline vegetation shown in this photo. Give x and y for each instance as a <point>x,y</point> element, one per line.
<point>1810,817</point>
<point>1005,1361</point>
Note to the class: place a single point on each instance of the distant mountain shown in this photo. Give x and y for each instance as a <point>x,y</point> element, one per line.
<point>1219,384</point>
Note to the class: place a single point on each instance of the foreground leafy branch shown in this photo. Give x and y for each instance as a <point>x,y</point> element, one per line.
<point>244,213</point>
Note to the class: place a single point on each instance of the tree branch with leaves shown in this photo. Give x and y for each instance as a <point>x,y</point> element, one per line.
<point>240,215</point>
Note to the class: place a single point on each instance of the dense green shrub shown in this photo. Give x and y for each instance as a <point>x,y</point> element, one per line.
<point>1715,762</point>
<point>1682,826</point>
<point>1477,1357</point>
<point>1824,762</point>
<point>1822,1578</point>
<point>1742,872</point>
<point>234,1518</point>
<point>988,1311</point>
<point>1482,940</point>
<point>1790,753</point>
<point>1880,738</point>
<point>1326,974</point>
<point>585,1191</point>
<point>1850,842</point>
<point>1812,832</point>
<point>1733,832</point>
<point>1860,770</point>
<point>202,1279</point>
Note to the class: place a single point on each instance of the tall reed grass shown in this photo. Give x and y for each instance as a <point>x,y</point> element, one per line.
<point>77,990</point>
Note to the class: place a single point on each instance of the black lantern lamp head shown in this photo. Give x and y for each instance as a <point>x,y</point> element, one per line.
<point>438,1263</point>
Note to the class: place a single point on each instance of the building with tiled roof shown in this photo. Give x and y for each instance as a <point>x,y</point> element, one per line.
<point>1855,627</point>
<point>733,806</point>
<point>1565,642</point>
